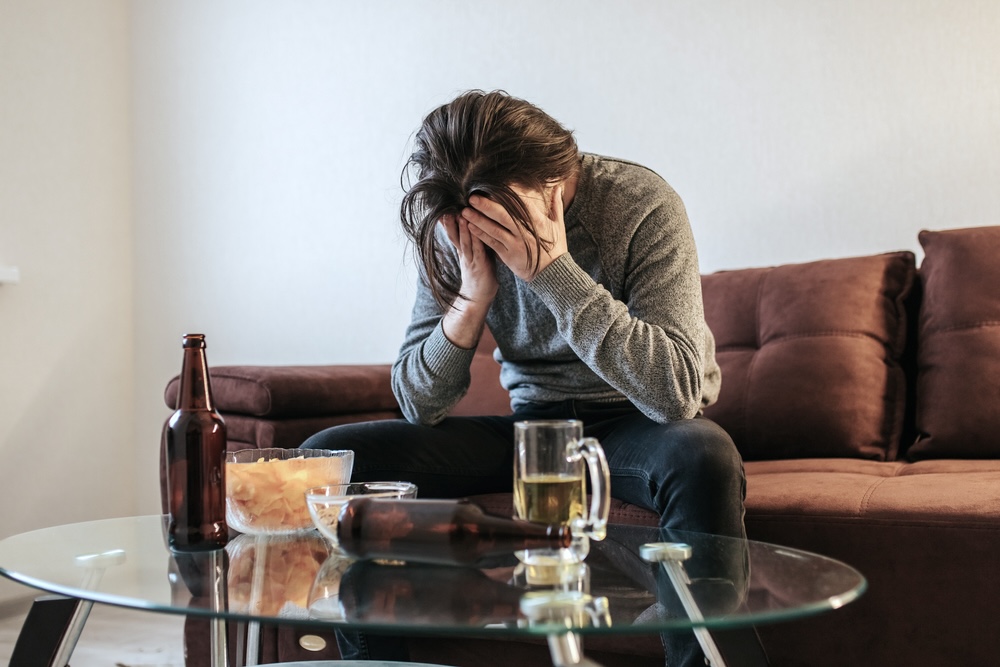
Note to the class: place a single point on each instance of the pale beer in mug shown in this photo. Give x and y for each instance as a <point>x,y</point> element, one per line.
<point>550,498</point>
<point>551,463</point>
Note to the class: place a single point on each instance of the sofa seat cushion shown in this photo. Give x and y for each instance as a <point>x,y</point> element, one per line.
<point>949,492</point>
<point>925,536</point>
<point>811,356</point>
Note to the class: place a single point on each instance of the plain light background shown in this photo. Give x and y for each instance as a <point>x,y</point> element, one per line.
<point>233,168</point>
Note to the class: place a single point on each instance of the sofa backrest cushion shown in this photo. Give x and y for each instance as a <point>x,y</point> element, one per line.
<point>811,356</point>
<point>958,348</point>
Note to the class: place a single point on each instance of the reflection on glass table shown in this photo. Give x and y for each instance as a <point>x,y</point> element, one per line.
<point>631,583</point>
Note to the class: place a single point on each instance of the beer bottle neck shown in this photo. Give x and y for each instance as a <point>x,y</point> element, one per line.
<point>195,389</point>
<point>510,534</point>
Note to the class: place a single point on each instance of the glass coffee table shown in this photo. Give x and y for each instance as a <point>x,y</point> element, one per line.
<point>637,581</point>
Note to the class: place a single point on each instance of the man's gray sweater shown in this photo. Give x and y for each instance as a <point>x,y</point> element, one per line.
<point>618,316</point>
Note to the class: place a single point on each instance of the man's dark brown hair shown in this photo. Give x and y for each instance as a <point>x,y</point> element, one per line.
<point>479,143</point>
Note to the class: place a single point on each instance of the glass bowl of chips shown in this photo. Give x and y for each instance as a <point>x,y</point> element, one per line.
<point>266,488</point>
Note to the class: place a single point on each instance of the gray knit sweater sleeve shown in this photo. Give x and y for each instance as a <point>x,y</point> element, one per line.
<point>649,342</point>
<point>430,374</point>
<point>655,362</point>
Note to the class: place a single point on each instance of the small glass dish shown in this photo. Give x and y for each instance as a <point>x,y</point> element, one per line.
<point>266,488</point>
<point>325,502</point>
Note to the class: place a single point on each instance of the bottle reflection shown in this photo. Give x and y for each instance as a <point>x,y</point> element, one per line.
<point>430,594</point>
<point>197,579</point>
<point>423,593</point>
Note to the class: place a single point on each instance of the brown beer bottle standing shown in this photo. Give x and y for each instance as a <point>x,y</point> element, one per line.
<point>194,441</point>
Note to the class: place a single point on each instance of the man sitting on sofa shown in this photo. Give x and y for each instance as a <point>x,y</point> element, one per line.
<point>585,269</point>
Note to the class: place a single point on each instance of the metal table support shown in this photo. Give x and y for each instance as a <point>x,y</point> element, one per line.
<point>54,623</point>
<point>672,556</point>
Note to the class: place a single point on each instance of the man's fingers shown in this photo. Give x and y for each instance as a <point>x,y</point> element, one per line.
<point>478,248</point>
<point>492,211</point>
<point>464,238</point>
<point>556,207</point>
<point>488,226</point>
<point>485,237</point>
<point>450,226</point>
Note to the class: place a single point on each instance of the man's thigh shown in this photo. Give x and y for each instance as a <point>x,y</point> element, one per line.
<point>687,471</point>
<point>459,456</point>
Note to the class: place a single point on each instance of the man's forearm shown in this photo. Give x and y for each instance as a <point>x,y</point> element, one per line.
<point>463,323</point>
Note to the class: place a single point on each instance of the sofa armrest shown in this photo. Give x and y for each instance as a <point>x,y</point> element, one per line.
<point>265,404</point>
<point>291,392</point>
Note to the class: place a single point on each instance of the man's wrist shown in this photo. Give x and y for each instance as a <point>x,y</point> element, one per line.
<point>464,322</point>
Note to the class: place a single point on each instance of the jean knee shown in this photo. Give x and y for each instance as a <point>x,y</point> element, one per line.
<point>702,485</point>
<point>715,459</point>
<point>700,447</point>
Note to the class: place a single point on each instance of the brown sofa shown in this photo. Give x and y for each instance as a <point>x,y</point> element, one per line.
<point>864,396</point>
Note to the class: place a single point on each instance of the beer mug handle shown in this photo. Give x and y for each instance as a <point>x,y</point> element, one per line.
<point>596,524</point>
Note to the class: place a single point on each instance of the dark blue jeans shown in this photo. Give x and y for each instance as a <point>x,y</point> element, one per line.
<point>688,472</point>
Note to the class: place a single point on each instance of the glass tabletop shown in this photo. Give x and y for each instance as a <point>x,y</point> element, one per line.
<point>624,586</point>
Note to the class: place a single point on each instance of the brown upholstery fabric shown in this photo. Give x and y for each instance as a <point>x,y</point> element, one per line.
<point>923,534</point>
<point>245,432</point>
<point>485,396</point>
<point>295,399</point>
<point>297,391</point>
<point>943,492</point>
<point>932,592</point>
<point>811,356</point>
<point>958,353</point>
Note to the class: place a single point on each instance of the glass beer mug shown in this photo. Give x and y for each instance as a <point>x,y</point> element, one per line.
<point>551,462</point>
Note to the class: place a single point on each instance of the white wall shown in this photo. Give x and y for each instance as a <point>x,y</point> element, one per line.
<point>270,138</point>
<point>66,409</point>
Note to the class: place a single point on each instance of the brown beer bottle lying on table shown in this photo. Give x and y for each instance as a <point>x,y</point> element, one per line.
<point>450,532</point>
<point>194,446</point>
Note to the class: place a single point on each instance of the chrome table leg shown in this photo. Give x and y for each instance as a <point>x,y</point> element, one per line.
<point>672,556</point>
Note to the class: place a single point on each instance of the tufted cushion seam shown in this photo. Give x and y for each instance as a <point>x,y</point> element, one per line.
<point>985,324</point>
<point>829,333</point>
<point>866,498</point>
